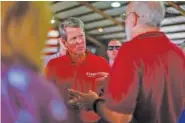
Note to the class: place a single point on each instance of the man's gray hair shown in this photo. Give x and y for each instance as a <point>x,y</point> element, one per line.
<point>69,22</point>
<point>151,12</point>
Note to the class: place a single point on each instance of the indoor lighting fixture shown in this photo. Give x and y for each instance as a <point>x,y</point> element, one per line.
<point>52,20</point>
<point>100,29</point>
<point>115,4</point>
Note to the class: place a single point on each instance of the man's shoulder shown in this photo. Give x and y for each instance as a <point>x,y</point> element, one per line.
<point>57,60</point>
<point>127,46</point>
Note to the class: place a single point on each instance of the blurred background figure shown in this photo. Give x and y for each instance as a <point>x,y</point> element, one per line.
<point>26,96</point>
<point>112,50</point>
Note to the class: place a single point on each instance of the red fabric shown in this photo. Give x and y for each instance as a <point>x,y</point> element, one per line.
<point>132,55</point>
<point>77,76</point>
<point>64,70</point>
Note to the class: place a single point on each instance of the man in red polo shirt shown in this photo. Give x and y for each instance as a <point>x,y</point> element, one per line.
<point>77,68</point>
<point>147,80</point>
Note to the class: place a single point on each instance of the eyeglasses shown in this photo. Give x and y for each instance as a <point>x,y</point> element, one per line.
<point>124,15</point>
<point>110,48</point>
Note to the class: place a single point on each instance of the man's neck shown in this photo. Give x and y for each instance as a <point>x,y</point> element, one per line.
<point>111,62</point>
<point>143,29</point>
<point>77,58</point>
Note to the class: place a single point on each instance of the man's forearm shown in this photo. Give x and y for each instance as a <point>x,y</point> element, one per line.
<point>111,116</point>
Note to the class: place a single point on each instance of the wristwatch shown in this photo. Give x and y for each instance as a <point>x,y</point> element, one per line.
<point>95,103</point>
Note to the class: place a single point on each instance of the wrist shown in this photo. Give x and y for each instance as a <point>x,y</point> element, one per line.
<point>96,103</point>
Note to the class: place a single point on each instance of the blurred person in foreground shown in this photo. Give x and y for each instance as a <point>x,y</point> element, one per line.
<point>26,96</point>
<point>112,50</point>
<point>77,68</point>
<point>147,82</point>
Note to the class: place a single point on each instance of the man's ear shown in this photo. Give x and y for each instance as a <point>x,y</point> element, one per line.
<point>63,42</point>
<point>107,52</point>
<point>133,19</point>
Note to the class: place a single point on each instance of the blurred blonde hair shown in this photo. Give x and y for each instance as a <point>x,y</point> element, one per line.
<point>24,29</point>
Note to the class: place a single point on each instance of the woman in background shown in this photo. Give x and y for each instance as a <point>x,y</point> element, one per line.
<point>26,96</point>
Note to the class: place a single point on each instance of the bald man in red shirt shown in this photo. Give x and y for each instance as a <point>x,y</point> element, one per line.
<point>147,81</point>
<point>77,68</point>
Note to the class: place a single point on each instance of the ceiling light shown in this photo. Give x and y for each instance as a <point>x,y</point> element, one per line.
<point>52,21</point>
<point>115,4</point>
<point>100,29</point>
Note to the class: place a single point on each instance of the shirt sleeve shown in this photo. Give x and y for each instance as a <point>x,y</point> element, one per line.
<point>49,72</point>
<point>123,86</point>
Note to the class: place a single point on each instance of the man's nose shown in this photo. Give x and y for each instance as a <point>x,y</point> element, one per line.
<point>79,40</point>
<point>115,50</point>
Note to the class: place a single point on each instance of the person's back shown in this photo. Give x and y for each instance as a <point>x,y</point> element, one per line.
<point>162,79</point>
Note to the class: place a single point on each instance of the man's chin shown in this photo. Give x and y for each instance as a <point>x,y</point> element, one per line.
<point>80,52</point>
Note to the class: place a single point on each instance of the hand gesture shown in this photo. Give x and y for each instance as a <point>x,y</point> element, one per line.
<point>86,100</point>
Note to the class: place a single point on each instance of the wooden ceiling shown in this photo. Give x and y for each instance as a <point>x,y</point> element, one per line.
<point>100,14</point>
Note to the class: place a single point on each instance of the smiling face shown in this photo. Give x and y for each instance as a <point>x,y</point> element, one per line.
<point>75,40</point>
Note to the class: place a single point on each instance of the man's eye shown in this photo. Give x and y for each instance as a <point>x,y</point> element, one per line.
<point>74,38</point>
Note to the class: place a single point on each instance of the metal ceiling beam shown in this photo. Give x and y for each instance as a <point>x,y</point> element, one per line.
<point>178,39</point>
<point>176,2</point>
<point>66,9</point>
<point>92,21</point>
<point>122,31</point>
<point>174,32</point>
<point>112,25</point>
<point>103,10</point>
<point>55,2</point>
<point>88,13</point>
<point>174,24</point>
<point>110,33</point>
<point>95,41</point>
<point>100,12</point>
<point>177,7</point>
<point>90,29</point>
<point>117,16</point>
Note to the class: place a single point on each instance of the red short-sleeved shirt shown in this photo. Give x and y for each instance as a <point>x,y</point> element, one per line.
<point>148,79</point>
<point>80,77</point>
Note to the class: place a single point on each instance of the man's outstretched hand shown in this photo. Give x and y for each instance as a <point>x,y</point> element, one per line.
<point>86,100</point>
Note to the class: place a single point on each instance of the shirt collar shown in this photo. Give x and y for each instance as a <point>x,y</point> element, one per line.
<point>68,59</point>
<point>149,35</point>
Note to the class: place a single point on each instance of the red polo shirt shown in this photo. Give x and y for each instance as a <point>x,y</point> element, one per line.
<point>77,76</point>
<point>148,79</point>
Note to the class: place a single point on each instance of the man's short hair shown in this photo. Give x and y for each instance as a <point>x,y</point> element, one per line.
<point>151,12</point>
<point>69,22</point>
